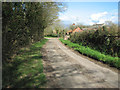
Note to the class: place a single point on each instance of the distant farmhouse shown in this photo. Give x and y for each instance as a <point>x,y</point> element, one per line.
<point>72,31</point>
<point>93,27</point>
<point>75,30</point>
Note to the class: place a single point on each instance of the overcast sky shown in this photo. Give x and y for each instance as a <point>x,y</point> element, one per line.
<point>89,13</point>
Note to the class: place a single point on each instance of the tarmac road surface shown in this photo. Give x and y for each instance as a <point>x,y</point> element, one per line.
<point>66,69</point>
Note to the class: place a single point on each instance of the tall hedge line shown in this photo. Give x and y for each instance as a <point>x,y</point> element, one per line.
<point>103,40</point>
<point>24,23</point>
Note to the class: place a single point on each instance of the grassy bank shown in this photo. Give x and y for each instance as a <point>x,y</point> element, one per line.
<point>26,69</point>
<point>112,61</point>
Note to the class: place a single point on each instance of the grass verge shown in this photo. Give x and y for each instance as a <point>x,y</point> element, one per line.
<point>112,61</point>
<point>25,69</point>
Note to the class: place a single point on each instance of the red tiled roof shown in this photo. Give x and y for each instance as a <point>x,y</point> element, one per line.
<point>77,30</point>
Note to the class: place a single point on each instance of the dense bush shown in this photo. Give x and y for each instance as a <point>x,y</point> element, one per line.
<point>102,40</point>
<point>51,35</point>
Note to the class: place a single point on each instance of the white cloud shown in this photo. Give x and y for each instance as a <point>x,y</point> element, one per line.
<point>98,15</point>
<point>91,19</point>
<point>114,18</point>
<point>68,17</point>
<point>63,17</point>
<point>102,17</point>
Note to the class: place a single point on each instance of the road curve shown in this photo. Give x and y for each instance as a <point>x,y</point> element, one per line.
<point>65,69</point>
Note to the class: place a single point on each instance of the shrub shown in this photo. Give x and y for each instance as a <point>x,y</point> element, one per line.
<point>101,40</point>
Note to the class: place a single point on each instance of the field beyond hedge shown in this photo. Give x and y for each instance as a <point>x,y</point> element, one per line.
<point>112,61</point>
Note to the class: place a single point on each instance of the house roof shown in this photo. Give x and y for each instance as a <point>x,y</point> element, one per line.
<point>77,30</point>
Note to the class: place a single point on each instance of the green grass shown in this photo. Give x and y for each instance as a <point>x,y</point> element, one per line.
<point>112,61</point>
<point>26,69</point>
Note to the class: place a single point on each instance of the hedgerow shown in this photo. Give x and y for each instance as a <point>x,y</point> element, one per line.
<point>113,61</point>
<point>105,41</point>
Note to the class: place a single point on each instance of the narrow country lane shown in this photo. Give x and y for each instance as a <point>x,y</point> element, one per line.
<point>65,69</point>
